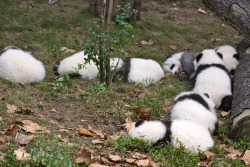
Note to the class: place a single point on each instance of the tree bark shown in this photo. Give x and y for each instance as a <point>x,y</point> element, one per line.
<point>243,47</point>
<point>241,96</point>
<point>235,12</point>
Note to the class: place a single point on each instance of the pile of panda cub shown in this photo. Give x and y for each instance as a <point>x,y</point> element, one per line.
<point>193,117</point>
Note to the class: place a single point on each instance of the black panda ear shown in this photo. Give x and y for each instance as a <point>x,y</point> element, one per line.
<point>220,55</point>
<point>206,95</point>
<point>139,123</point>
<point>198,57</point>
<point>237,56</point>
<point>232,72</point>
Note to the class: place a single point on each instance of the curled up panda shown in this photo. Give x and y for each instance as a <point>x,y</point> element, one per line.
<point>213,78</point>
<point>195,107</point>
<point>89,71</point>
<point>191,135</point>
<point>140,71</point>
<point>19,66</point>
<point>180,64</point>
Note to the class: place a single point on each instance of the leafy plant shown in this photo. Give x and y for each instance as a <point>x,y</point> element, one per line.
<point>98,47</point>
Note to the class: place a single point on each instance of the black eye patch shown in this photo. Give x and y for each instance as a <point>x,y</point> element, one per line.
<point>172,66</point>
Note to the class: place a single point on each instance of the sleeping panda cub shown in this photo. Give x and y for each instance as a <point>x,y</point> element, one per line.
<point>142,71</point>
<point>195,107</point>
<point>190,134</point>
<point>230,56</point>
<point>17,65</point>
<point>212,77</point>
<point>180,64</point>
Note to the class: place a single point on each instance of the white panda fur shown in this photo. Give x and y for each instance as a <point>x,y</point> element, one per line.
<point>116,63</point>
<point>192,135</point>
<point>17,66</point>
<point>88,72</point>
<point>230,57</point>
<point>145,71</point>
<point>213,78</point>
<point>196,107</point>
<point>173,64</point>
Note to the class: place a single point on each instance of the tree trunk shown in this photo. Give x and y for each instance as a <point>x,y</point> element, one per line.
<point>243,47</point>
<point>239,122</point>
<point>234,12</point>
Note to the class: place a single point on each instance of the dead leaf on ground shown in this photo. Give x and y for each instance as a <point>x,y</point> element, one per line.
<point>115,157</point>
<point>174,47</point>
<point>84,131</point>
<point>29,126</point>
<point>2,158</point>
<point>97,141</point>
<point>202,11</point>
<point>67,50</point>
<point>97,165</point>
<point>11,108</point>
<point>84,157</point>
<point>168,103</point>
<point>125,104</point>
<point>233,151</point>
<point>97,132</point>
<point>209,154</point>
<point>202,163</point>
<point>128,125</point>
<point>220,122</point>
<point>137,155</point>
<point>224,113</point>
<point>143,162</point>
<point>143,43</point>
<point>24,139</point>
<point>22,155</point>
<point>107,162</point>
<point>174,9</point>
<point>12,131</point>
<point>114,137</point>
<point>2,140</point>
<point>130,160</point>
<point>246,157</point>
<point>143,112</point>
<point>168,74</point>
<point>153,164</point>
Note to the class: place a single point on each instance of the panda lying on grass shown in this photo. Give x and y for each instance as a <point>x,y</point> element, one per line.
<point>19,66</point>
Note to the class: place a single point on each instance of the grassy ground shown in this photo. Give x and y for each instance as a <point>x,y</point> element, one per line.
<point>48,27</point>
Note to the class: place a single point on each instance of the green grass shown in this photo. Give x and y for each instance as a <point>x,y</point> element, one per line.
<point>49,27</point>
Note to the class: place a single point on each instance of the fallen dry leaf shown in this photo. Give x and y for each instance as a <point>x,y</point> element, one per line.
<point>97,165</point>
<point>175,9</point>
<point>143,112</point>
<point>142,43</point>
<point>233,151</point>
<point>115,157</point>
<point>246,157</point>
<point>84,157</point>
<point>202,163</point>
<point>220,122</point>
<point>30,126</point>
<point>68,50</point>
<point>23,139</point>
<point>22,155</point>
<point>97,141</point>
<point>128,125</point>
<point>137,155</point>
<point>12,131</point>
<point>114,137</point>
<point>224,113</point>
<point>84,131</point>
<point>107,162</point>
<point>130,160</point>
<point>209,154</point>
<point>1,158</point>
<point>11,108</point>
<point>174,47</point>
<point>143,162</point>
<point>153,164</point>
<point>168,74</point>
<point>97,132</point>
<point>202,11</point>
<point>2,140</point>
<point>125,104</point>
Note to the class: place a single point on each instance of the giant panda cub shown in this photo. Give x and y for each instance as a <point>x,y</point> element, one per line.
<point>191,135</point>
<point>180,64</point>
<point>213,78</point>
<point>230,57</point>
<point>19,66</point>
<point>142,71</point>
<point>89,70</point>
<point>196,107</point>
